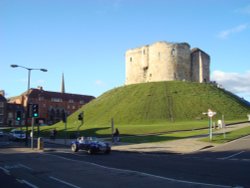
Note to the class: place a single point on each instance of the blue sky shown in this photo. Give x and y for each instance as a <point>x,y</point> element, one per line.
<point>87,39</point>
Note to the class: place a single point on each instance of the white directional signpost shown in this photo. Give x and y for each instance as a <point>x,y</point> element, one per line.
<point>210,115</point>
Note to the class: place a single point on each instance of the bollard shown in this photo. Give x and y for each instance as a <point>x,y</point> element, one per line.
<point>40,143</point>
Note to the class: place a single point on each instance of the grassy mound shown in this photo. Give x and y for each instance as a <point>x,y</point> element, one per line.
<point>158,103</point>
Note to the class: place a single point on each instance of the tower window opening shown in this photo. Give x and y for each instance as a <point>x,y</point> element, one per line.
<point>173,52</point>
<point>175,76</point>
<point>130,59</point>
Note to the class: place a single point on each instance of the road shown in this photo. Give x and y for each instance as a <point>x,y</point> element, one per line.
<point>223,166</point>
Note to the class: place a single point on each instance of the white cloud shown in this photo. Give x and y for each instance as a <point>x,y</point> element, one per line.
<point>238,83</point>
<point>100,83</point>
<point>226,33</point>
<point>40,81</point>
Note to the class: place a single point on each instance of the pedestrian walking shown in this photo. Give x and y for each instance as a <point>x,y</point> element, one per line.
<point>116,135</point>
<point>53,133</point>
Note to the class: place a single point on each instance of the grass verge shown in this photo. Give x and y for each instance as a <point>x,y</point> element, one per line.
<point>230,136</point>
<point>163,137</point>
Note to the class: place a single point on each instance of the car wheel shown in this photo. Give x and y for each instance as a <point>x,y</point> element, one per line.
<point>107,151</point>
<point>74,147</point>
<point>90,151</point>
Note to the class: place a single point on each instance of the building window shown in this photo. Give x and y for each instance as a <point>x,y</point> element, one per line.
<point>1,111</point>
<point>10,115</point>
<point>41,98</point>
<point>1,104</point>
<point>56,99</point>
<point>144,52</point>
<point>130,59</point>
<point>82,102</point>
<point>71,101</point>
<point>73,107</point>
<point>159,55</point>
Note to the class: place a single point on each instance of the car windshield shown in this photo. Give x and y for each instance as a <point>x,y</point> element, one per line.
<point>92,139</point>
<point>88,139</point>
<point>18,132</point>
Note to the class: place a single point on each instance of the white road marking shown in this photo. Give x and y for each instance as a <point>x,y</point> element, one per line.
<point>142,173</point>
<point>73,153</point>
<point>5,171</point>
<point>20,181</point>
<point>231,156</point>
<point>24,166</point>
<point>29,184</point>
<point>17,166</point>
<point>64,182</point>
<point>248,160</point>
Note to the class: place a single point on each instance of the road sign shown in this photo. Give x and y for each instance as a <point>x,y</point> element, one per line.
<point>210,113</point>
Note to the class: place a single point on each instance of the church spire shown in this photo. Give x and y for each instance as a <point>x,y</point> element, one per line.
<point>63,85</point>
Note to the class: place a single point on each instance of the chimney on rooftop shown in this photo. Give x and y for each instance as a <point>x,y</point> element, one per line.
<point>40,88</point>
<point>63,84</point>
<point>2,93</point>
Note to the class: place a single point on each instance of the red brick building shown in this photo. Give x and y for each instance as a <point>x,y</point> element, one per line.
<point>51,104</point>
<point>3,107</point>
<point>8,112</point>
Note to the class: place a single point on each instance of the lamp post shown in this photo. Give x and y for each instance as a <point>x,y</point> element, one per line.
<point>29,74</point>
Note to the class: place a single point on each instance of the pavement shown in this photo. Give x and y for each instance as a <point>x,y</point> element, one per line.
<point>181,146</point>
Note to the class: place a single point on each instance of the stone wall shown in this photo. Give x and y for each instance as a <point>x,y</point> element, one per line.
<point>164,61</point>
<point>200,66</point>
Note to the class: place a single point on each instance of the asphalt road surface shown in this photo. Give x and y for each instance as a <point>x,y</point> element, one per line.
<point>223,166</point>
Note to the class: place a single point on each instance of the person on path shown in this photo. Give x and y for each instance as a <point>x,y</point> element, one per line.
<point>116,135</point>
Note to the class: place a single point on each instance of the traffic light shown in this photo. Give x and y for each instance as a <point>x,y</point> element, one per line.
<point>80,116</point>
<point>18,115</point>
<point>35,110</point>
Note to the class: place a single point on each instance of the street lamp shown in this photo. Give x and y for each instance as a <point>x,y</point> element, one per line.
<point>29,73</point>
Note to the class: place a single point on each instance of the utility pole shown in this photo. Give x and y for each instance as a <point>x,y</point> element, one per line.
<point>28,88</point>
<point>80,118</point>
<point>32,132</point>
<point>64,119</point>
<point>112,129</point>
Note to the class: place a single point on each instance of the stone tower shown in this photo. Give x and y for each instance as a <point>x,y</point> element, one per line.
<point>164,61</point>
<point>200,66</point>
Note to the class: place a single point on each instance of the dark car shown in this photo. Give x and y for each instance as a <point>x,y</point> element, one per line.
<point>91,145</point>
<point>17,135</point>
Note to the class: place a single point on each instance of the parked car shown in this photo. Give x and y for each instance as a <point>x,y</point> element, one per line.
<point>91,145</point>
<point>17,135</point>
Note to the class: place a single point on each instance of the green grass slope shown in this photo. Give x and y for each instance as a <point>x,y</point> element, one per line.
<point>159,102</point>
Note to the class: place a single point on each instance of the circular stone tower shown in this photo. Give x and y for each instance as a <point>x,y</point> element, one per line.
<point>160,61</point>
